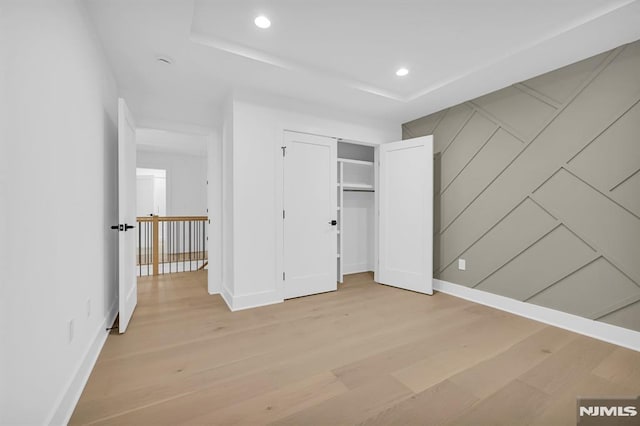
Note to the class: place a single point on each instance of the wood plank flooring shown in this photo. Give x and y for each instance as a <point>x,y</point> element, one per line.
<point>366,354</point>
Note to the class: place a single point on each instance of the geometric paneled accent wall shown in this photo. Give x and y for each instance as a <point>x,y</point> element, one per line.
<point>538,189</point>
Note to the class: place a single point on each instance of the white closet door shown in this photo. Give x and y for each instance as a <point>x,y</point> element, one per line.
<point>406,214</point>
<point>310,210</point>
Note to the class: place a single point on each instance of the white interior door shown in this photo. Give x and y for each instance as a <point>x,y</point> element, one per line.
<point>310,212</point>
<point>127,184</point>
<point>405,197</point>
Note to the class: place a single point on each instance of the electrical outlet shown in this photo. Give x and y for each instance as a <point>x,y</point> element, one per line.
<point>462,264</point>
<point>88,308</point>
<point>71,325</point>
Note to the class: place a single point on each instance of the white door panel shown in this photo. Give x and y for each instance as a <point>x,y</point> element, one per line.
<point>127,185</point>
<point>310,203</point>
<point>406,214</point>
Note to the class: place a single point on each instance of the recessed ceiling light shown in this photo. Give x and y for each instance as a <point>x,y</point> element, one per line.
<point>164,60</point>
<point>262,22</point>
<point>402,72</point>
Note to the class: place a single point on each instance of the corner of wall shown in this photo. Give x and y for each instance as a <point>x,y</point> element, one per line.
<point>598,330</point>
<point>252,300</point>
<point>227,297</point>
<point>64,407</point>
<point>215,211</point>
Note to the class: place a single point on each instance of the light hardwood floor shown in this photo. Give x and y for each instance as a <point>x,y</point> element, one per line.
<point>366,354</point>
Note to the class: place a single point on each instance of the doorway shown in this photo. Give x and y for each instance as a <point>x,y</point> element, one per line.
<point>151,191</point>
<point>368,210</point>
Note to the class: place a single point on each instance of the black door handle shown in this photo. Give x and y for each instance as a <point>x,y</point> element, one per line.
<point>124,227</point>
<point>333,222</point>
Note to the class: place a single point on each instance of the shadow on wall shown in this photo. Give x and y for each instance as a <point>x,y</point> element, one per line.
<point>437,164</point>
<point>110,182</point>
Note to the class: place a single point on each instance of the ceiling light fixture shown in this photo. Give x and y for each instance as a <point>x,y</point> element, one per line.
<point>402,72</point>
<point>262,22</point>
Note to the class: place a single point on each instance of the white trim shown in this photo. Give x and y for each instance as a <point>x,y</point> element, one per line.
<point>251,300</point>
<point>598,330</point>
<point>227,297</point>
<point>356,268</point>
<point>255,300</point>
<point>66,404</point>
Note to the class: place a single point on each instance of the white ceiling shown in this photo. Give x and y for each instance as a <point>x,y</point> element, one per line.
<point>342,54</point>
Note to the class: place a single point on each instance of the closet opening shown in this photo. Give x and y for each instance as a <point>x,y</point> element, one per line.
<point>350,207</point>
<point>356,205</point>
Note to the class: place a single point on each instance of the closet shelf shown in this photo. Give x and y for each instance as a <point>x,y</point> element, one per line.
<point>357,186</point>
<point>360,162</point>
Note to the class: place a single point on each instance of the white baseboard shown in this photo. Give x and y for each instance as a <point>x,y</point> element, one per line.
<point>598,330</point>
<point>356,268</point>
<point>68,400</point>
<point>227,297</point>
<point>248,301</point>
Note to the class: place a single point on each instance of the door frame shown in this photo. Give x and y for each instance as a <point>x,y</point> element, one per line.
<point>279,198</point>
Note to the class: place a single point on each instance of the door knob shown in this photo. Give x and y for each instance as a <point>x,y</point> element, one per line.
<point>117,227</point>
<point>128,227</point>
<point>333,222</point>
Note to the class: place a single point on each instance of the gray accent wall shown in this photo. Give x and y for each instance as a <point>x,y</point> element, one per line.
<point>538,189</point>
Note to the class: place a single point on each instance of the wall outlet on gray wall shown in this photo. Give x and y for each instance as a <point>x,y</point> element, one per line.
<point>462,264</point>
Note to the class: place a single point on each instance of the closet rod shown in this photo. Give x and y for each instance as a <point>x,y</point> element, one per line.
<point>353,141</point>
<point>359,190</point>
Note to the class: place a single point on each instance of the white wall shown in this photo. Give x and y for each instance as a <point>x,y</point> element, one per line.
<point>60,141</point>
<point>227,202</point>
<point>214,199</point>
<point>186,180</point>
<point>358,232</point>
<point>257,174</point>
<point>4,141</point>
<point>151,192</point>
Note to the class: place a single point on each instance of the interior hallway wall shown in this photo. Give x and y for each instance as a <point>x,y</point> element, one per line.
<point>59,148</point>
<point>226,153</point>
<point>539,189</point>
<point>253,162</point>
<point>186,180</point>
